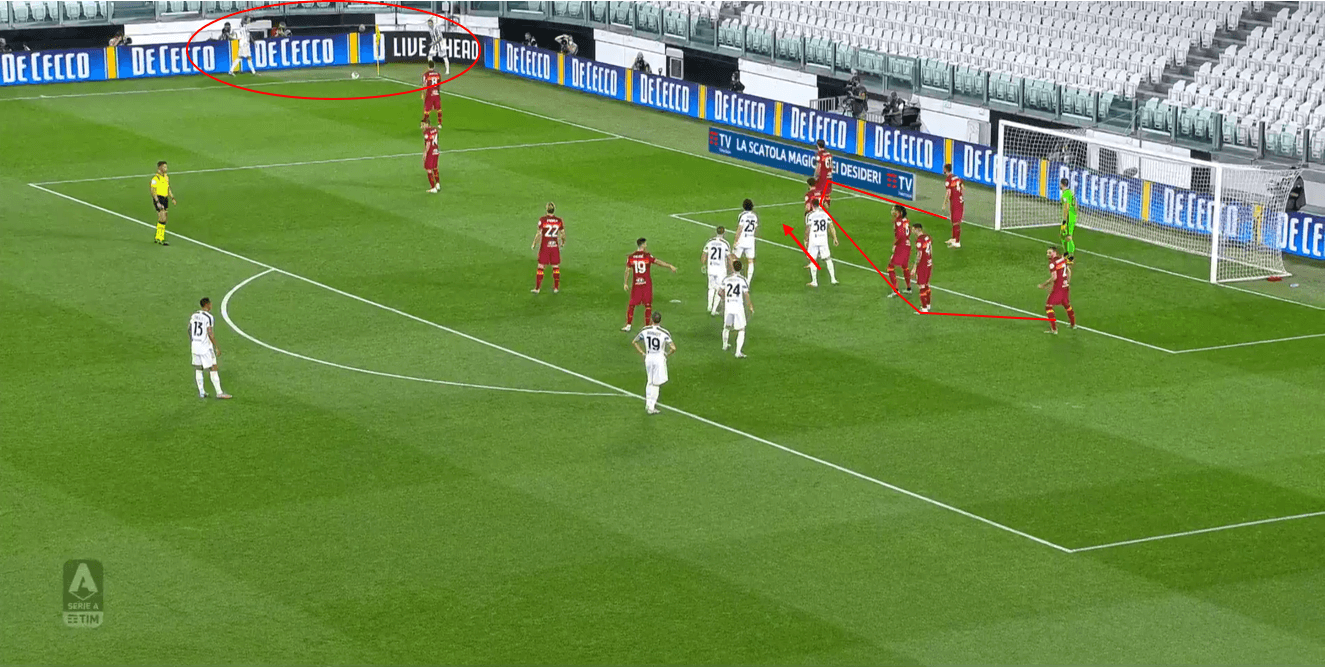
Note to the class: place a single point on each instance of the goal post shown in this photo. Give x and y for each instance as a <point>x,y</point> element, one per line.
<point>1232,214</point>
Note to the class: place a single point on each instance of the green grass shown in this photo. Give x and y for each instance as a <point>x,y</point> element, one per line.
<point>329,516</point>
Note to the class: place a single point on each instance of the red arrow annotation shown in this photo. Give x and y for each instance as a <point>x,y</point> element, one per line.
<point>787,230</point>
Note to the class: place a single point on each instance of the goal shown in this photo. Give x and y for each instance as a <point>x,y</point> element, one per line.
<point>1232,214</point>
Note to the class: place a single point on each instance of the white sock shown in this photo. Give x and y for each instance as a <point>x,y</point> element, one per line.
<point>726,332</point>
<point>198,376</point>
<point>713,301</point>
<point>829,263</point>
<point>446,62</point>
<point>216,382</point>
<point>814,275</point>
<point>741,340</point>
<point>651,396</point>
<point>251,67</point>
<point>750,270</point>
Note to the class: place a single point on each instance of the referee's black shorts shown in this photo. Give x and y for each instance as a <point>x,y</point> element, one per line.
<point>163,202</point>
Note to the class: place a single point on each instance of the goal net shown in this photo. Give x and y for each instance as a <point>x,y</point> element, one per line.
<point>1231,214</point>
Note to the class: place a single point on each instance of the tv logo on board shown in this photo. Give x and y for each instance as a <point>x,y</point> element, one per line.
<point>807,125</point>
<point>904,148</point>
<point>294,52</point>
<point>83,590</point>
<point>36,67</point>
<point>592,77</point>
<point>168,59</point>
<point>663,93</point>
<point>527,62</point>
<point>740,111</point>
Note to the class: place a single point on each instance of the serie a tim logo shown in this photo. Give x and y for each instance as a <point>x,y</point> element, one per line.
<point>84,593</point>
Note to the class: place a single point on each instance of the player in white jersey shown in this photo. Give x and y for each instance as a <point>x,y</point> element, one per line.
<point>245,40</point>
<point>747,224</point>
<point>437,47</point>
<point>714,261</point>
<point>203,344</point>
<point>819,227</point>
<point>736,295</point>
<point>655,344</point>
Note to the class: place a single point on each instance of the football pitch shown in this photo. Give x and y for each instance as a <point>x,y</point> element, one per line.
<point>424,463</point>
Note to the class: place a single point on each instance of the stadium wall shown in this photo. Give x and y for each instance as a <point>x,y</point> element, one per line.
<point>1149,201</point>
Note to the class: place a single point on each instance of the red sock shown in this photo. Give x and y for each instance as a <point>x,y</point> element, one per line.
<point>893,280</point>
<point>538,278</point>
<point>649,309</point>
<point>630,313</point>
<point>925,297</point>
<point>557,278</point>
<point>431,183</point>
<point>1054,325</point>
<point>437,178</point>
<point>1072,317</point>
<point>957,232</point>
<point>908,276</point>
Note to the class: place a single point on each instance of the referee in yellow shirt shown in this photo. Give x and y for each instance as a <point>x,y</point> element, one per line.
<point>162,198</point>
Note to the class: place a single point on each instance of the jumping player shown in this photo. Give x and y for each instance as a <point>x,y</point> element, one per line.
<point>639,282</point>
<point>744,247</point>
<point>655,344</point>
<point>924,261</point>
<point>1069,223</point>
<point>550,238</point>
<point>431,95</point>
<point>1058,283</point>
<point>714,261</point>
<point>430,155</point>
<point>244,52</point>
<point>953,204</point>
<point>437,35</point>
<point>902,249</point>
<point>823,173</point>
<point>819,226</point>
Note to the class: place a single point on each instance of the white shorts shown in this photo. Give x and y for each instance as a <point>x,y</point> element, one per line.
<point>204,357</point>
<point>243,50</point>
<point>438,52</point>
<point>734,318</point>
<point>744,249</point>
<point>715,280</point>
<point>818,251</point>
<point>656,369</point>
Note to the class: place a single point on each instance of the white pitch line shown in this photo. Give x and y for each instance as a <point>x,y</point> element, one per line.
<point>225,314</point>
<point>1201,531</point>
<point>168,90</point>
<point>1251,343</point>
<point>458,333</point>
<point>335,160</point>
<point>954,292</point>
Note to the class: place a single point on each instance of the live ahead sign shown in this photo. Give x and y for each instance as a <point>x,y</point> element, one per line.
<point>415,46</point>
<point>866,176</point>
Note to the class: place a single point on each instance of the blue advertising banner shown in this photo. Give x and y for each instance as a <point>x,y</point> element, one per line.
<point>51,67</point>
<point>171,60</point>
<point>805,125</point>
<point>1303,234</point>
<point>873,178</point>
<point>738,110</point>
<point>297,52</point>
<point>671,95</point>
<point>529,62</point>
<point>594,77</point>
<point>903,147</point>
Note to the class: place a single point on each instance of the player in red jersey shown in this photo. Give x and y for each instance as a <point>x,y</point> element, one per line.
<point>924,261</point>
<point>953,204</point>
<point>549,239</point>
<point>902,248</point>
<point>430,155</point>
<point>812,193</point>
<point>823,173</point>
<point>432,96</point>
<point>1058,283</point>
<point>639,282</point>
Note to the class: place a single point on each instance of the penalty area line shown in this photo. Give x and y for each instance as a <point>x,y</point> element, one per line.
<point>603,384</point>
<point>1250,343</point>
<point>1206,530</point>
<point>225,314</point>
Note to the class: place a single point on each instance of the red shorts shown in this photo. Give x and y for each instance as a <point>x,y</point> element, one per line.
<point>432,103</point>
<point>955,215</point>
<point>1057,298</point>
<point>901,256</point>
<point>430,161</point>
<point>550,255</point>
<point>923,275</point>
<point>642,295</point>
